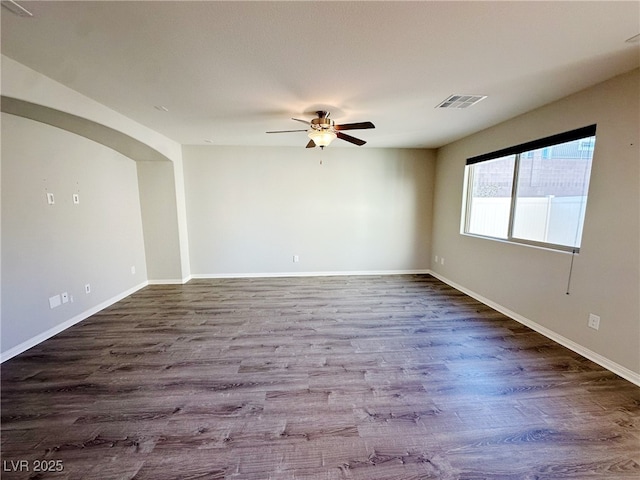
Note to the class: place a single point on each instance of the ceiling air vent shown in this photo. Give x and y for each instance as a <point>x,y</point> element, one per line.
<point>461,101</point>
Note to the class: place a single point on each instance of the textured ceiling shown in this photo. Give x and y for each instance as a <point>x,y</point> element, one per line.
<point>227,72</point>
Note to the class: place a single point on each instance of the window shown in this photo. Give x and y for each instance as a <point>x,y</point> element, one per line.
<point>534,193</point>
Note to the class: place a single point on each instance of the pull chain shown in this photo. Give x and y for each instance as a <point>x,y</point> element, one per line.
<point>573,254</point>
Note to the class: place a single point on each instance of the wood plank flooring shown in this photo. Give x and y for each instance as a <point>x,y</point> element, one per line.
<point>373,377</point>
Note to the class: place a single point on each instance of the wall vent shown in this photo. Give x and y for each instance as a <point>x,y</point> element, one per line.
<point>461,101</point>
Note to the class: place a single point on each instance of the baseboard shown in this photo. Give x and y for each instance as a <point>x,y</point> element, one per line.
<point>170,281</point>
<point>32,342</point>
<point>309,274</point>
<point>610,365</point>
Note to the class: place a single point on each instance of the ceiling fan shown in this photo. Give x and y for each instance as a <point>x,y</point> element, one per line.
<point>322,130</point>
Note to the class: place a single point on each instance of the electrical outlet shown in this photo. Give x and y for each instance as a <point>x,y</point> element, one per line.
<point>87,288</point>
<point>594,321</point>
<point>133,269</point>
<point>76,198</point>
<point>441,260</point>
<point>296,259</point>
<point>65,297</point>
<point>437,259</point>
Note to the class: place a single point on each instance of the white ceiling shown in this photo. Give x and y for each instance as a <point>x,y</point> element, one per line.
<point>229,71</point>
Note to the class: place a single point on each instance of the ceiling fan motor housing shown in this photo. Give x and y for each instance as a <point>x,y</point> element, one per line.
<point>322,123</point>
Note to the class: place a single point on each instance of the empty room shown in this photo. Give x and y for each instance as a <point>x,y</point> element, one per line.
<point>320,240</point>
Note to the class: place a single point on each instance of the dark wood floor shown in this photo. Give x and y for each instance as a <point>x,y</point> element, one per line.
<point>393,377</point>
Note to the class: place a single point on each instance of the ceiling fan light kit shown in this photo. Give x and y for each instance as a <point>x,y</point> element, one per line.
<point>322,131</point>
<point>322,138</point>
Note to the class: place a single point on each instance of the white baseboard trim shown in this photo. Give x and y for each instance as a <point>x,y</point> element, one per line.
<point>170,281</point>
<point>610,365</point>
<point>308,274</point>
<point>32,342</point>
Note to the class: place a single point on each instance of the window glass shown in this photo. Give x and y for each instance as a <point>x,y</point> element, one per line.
<point>552,193</point>
<point>547,206</point>
<point>490,197</point>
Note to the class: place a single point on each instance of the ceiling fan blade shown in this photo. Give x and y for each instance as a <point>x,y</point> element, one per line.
<point>355,126</point>
<point>311,144</point>
<point>350,139</point>
<point>303,121</point>
<point>286,131</point>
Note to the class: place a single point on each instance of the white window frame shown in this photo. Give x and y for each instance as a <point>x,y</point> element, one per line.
<point>518,150</point>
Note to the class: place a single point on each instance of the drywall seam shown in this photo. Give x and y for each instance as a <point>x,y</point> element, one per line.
<point>32,342</point>
<point>614,367</point>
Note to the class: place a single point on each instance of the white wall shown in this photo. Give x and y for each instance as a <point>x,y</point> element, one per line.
<point>250,210</point>
<point>159,221</point>
<point>50,249</point>
<point>532,282</point>
<point>94,247</point>
<point>22,83</point>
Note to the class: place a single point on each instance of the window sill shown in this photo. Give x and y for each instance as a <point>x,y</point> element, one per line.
<point>527,243</point>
